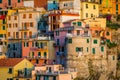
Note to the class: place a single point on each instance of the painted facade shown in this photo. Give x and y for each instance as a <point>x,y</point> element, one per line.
<point>10,70</point>
<point>52,5</point>
<point>38,50</point>
<point>8,4</point>
<point>53,72</point>
<point>23,23</point>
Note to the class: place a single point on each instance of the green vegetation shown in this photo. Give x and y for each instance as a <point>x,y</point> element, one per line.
<point>113,25</point>
<point>111,45</point>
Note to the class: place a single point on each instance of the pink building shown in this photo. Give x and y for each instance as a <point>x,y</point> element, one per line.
<point>5,4</point>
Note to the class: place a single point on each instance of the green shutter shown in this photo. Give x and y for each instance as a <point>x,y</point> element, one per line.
<point>45,54</point>
<point>95,41</point>
<point>32,54</point>
<point>102,49</point>
<point>116,6</point>
<point>74,23</point>
<point>108,40</point>
<point>1,35</point>
<point>76,49</point>
<point>69,40</point>
<point>87,40</point>
<point>79,23</point>
<point>93,50</point>
<point>3,27</point>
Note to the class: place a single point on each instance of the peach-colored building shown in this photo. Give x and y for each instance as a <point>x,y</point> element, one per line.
<point>53,72</point>
<point>23,23</point>
<point>6,4</point>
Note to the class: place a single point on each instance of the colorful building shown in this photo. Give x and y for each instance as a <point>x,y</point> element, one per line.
<point>52,5</point>
<point>14,68</point>
<point>8,4</point>
<point>53,72</point>
<point>89,9</point>
<point>3,34</point>
<point>23,23</point>
<point>38,50</point>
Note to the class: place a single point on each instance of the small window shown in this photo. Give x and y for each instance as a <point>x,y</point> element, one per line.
<point>39,54</point>
<point>107,33</point>
<point>107,40</point>
<point>69,31</point>
<point>8,34</point>
<point>94,7</point>
<point>86,5</point>
<point>69,40</point>
<point>53,2</point>
<point>87,49</point>
<point>57,33</point>
<point>95,41</point>
<point>24,16</point>
<point>93,50</point>
<point>30,15</point>
<point>18,1</point>
<point>0,1</point>
<point>9,17</point>
<point>15,17</point>
<point>86,14</point>
<point>31,24</point>
<point>74,23</point>
<point>79,49</point>
<point>79,24</point>
<point>26,44</point>
<point>10,71</point>
<point>87,40</point>
<point>113,57</point>
<point>3,27</point>
<point>32,54</point>
<point>102,49</point>
<point>45,54</point>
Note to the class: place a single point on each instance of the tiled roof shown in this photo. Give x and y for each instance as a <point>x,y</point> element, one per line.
<point>10,62</point>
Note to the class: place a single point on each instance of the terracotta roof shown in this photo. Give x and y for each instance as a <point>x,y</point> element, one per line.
<point>10,62</point>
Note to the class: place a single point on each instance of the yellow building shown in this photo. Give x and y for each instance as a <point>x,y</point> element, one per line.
<point>3,34</point>
<point>14,68</point>
<point>89,9</point>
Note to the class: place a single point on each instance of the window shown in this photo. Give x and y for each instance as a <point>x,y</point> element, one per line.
<point>37,61</point>
<point>30,15</point>
<point>9,17</point>
<point>31,24</point>
<point>15,17</point>
<point>16,25</point>
<point>79,49</point>
<point>86,14</point>
<point>113,57</point>
<point>78,32</point>
<point>10,71</point>
<point>0,1</point>
<point>1,35</point>
<point>107,40</point>
<point>24,16</point>
<point>58,41</point>
<point>53,2</point>
<point>95,41</point>
<point>3,27</point>
<point>32,54</point>
<point>8,34</point>
<point>107,33</point>
<point>91,15</point>
<point>17,34</point>
<point>18,1</point>
<point>57,33</point>
<point>26,44</point>
<point>86,5</point>
<point>4,21</point>
<point>74,23</point>
<point>102,49</point>
<point>9,25</point>
<point>79,23</point>
<point>87,40</point>
<point>45,54</point>
<point>30,34</point>
<point>69,40</point>
<point>39,54</point>
<point>87,49</point>
<point>94,7</point>
<point>116,6</point>
<point>93,50</point>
